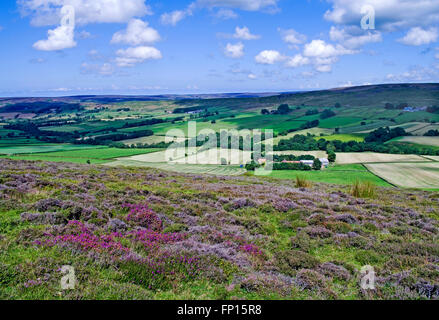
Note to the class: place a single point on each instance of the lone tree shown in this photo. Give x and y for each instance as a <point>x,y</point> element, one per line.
<point>265,111</point>
<point>332,156</point>
<point>317,165</point>
<point>283,109</point>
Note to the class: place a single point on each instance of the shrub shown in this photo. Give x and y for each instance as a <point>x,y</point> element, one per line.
<point>158,272</point>
<point>290,261</point>
<point>363,189</point>
<point>317,165</point>
<point>332,156</point>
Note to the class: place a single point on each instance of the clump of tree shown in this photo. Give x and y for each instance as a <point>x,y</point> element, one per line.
<point>309,143</point>
<point>310,124</point>
<point>328,113</point>
<point>265,112</point>
<point>317,165</point>
<point>312,112</point>
<point>252,166</point>
<point>291,166</point>
<point>148,122</point>
<point>284,109</point>
<point>432,133</point>
<point>385,134</point>
<point>290,157</point>
<point>433,109</point>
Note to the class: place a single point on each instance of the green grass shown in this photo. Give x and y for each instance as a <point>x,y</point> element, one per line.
<point>95,156</point>
<point>337,122</point>
<point>278,123</point>
<point>43,148</point>
<point>56,159</point>
<point>343,137</point>
<point>342,175</point>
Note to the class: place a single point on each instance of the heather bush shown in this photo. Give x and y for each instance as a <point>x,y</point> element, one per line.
<point>290,261</point>
<point>318,232</point>
<point>310,280</point>
<point>143,216</point>
<point>332,270</point>
<point>159,271</point>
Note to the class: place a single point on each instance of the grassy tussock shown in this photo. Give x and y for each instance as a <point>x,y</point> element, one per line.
<point>301,182</point>
<point>363,189</point>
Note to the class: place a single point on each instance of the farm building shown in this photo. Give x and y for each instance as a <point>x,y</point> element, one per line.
<point>308,162</point>
<point>324,161</point>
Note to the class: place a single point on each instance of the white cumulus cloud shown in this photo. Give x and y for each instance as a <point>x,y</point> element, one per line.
<point>248,5</point>
<point>293,37</point>
<point>269,57</point>
<point>47,12</point>
<point>172,18</point>
<point>137,32</point>
<point>321,49</point>
<point>297,61</point>
<point>134,55</point>
<point>245,34</point>
<point>234,50</point>
<point>354,37</point>
<point>58,39</point>
<point>324,55</point>
<point>391,15</point>
<point>418,36</point>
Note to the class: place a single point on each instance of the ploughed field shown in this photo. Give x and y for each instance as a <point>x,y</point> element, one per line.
<point>411,175</point>
<point>141,233</point>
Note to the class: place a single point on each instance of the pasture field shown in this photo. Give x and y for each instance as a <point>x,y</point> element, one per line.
<point>43,148</point>
<point>419,116</point>
<point>343,137</point>
<point>95,156</point>
<point>43,157</point>
<point>149,140</point>
<point>278,123</point>
<point>423,130</point>
<point>372,157</point>
<point>163,128</point>
<point>336,122</point>
<point>100,153</point>
<point>338,174</point>
<point>409,175</point>
<point>427,141</point>
<point>182,168</point>
<point>20,141</point>
<point>368,127</point>
<point>313,131</point>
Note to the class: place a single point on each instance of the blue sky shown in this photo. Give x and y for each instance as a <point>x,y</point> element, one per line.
<point>212,46</point>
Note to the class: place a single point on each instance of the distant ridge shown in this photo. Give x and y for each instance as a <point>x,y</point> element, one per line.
<point>409,92</point>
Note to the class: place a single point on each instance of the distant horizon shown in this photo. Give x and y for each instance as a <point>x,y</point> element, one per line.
<point>268,93</point>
